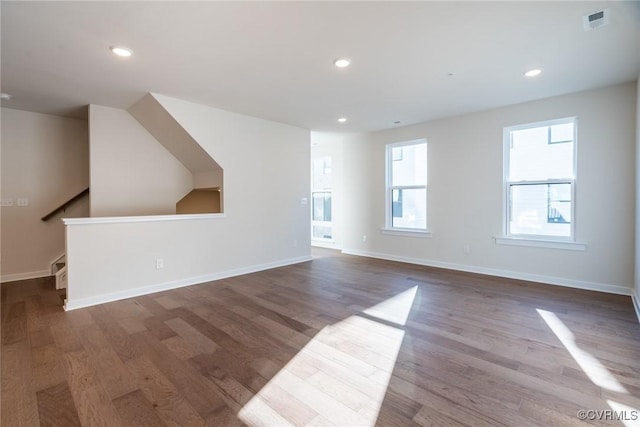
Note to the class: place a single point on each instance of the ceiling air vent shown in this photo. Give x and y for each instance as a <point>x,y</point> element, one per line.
<point>595,20</point>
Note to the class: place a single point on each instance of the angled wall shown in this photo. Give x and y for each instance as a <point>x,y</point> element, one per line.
<point>168,132</point>
<point>266,169</point>
<point>131,174</point>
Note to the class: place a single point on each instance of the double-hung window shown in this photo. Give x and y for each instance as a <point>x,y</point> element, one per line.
<point>406,198</point>
<point>539,180</point>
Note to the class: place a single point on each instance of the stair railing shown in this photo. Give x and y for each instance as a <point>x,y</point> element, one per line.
<point>63,207</point>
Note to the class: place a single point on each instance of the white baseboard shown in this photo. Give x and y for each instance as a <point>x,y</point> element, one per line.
<point>327,245</point>
<point>24,276</point>
<point>144,290</point>
<point>559,281</point>
<point>636,305</point>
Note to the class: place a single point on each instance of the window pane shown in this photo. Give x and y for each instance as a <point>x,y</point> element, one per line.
<point>542,209</point>
<point>559,207</point>
<point>322,206</point>
<point>409,165</point>
<point>409,208</point>
<point>322,232</point>
<point>561,133</point>
<point>541,153</point>
<point>396,154</point>
<point>322,176</point>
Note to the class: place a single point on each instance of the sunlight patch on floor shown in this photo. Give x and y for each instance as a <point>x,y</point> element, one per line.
<point>395,309</point>
<point>628,415</point>
<point>340,377</point>
<point>592,367</point>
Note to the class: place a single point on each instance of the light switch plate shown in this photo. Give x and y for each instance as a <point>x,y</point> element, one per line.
<point>6,202</point>
<point>23,202</point>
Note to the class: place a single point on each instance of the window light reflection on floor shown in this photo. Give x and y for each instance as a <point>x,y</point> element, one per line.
<point>341,376</point>
<point>592,367</point>
<point>627,415</point>
<point>395,309</point>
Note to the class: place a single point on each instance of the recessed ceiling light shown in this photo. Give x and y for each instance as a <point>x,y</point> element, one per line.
<point>342,119</point>
<point>5,96</point>
<point>342,62</point>
<point>533,73</point>
<point>121,51</point>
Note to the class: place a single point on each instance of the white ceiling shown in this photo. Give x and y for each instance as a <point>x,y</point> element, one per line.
<point>274,59</point>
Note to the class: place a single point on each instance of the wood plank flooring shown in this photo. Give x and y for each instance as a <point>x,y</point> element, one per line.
<point>338,341</point>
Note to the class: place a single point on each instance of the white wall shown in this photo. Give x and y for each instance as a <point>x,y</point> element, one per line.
<point>266,168</point>
<point>45,159</point>
<point>637,200</point>
<point>266,174</point>
<point>131,172</point>
<point>465,193</point>
<point>325,144</point>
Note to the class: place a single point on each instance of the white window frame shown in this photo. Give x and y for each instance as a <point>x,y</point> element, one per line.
<point>531,239</point>
<point>388,228</point>
<point>314,190</point>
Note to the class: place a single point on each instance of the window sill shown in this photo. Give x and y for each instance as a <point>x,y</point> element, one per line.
<point>423,234</point>
<point>540,243</point>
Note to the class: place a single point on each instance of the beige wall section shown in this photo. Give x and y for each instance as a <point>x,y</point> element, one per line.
<point>465,192</point>
<point>131,173</point>
<point>211,179</point>
<point>206,200</point>
<point>266,174</point>
<point>208,179</point>
<point>45,159</point>
<point>172,135</point>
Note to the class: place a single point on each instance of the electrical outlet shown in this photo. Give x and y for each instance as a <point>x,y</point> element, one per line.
<point>22,202</point>
<point>304,201</point>
<point>364,238</point>
<point>6,202</point>
<point>159,264</point>
<point>295,243</point>
<point>466,249</point>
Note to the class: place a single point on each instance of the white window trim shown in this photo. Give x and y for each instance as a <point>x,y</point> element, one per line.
<point>388,228</point>
<point>508,238</point>
<point>322,224</point>
<point>315,223</point>
<point>540,242</point>
<point>408,232</point>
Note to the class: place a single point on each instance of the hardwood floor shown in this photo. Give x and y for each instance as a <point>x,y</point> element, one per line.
<point>341,340</point>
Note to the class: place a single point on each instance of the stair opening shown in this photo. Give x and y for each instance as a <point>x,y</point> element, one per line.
<point>200,201</point>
